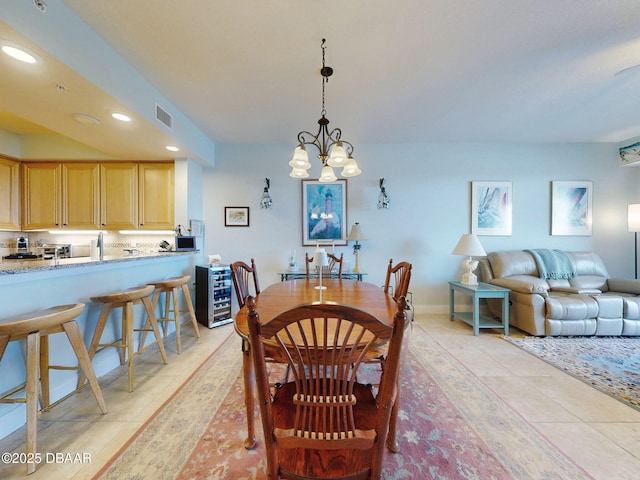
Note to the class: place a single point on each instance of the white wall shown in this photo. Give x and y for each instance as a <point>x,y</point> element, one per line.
<point>429,185</point>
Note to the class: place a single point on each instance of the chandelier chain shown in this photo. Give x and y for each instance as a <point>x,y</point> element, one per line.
<point>324,77</point>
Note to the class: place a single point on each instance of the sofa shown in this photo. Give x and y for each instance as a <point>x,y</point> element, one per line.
<point>583,300</point>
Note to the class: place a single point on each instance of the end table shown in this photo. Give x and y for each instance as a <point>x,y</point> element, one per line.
<point>473,318</point>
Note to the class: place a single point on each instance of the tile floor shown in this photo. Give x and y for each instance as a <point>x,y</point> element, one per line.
<point>599,433</point>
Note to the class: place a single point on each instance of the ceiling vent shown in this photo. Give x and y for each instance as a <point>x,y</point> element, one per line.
<point>630,155</point>
<point>40,5</point>
<point>164,117</point>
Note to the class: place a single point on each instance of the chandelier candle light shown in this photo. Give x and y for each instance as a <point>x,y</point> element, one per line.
<point>469,246</point>
<point>356,235</point>
<point>333,151</point>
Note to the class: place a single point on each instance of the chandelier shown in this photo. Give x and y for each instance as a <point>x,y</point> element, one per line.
<point>333,151</point>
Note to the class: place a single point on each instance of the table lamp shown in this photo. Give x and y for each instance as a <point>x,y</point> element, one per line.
<point>469,246</point>
<point>320,260</point>
<point>633,223</point>
<point>357,236</point>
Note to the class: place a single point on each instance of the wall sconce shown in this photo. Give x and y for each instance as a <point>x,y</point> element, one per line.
<point>265,201</point>
<point>383,199</point>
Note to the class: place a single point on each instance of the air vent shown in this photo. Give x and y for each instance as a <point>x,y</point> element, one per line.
<point>630,155</point>
<point>40,5</point>
<point>164,117</point>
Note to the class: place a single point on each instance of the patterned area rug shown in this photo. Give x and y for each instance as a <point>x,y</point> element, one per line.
<point>451,426</point>
<point>610,364</point>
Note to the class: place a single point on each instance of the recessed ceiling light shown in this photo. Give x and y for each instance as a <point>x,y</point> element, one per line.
<point>121,116</point>
<point>172,148</point>
<point>19,52</point>
<point>86,119</point>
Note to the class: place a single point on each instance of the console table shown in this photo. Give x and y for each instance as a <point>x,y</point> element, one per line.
<point>473,318</point>
<point>297,275</point>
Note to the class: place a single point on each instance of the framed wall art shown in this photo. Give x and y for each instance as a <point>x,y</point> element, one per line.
<point>236,216</point>
<point>491,208</point>
<point>324,212</point>
<point>571,208</point>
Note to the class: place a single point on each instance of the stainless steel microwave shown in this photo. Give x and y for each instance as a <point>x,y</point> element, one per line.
<point>185,244</point>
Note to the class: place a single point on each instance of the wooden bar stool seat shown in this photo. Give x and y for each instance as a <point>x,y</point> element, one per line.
<point>35,328</point>
<point>170,288</point>
<point>125,300</point>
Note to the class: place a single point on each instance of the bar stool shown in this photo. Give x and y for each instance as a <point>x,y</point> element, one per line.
<point>170,288</point>
<point>35,328</point>
<point>125,300</point>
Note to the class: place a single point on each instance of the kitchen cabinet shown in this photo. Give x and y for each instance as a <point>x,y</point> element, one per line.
<point>156,186</point>
<point>119,195</point>
<point>60,195</point>
<point>41,192</point>
<point>91,195</point>
<point>9,195</point>
<point>80,195</point>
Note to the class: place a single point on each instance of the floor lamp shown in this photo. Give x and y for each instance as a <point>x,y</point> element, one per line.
<point>633,223</point>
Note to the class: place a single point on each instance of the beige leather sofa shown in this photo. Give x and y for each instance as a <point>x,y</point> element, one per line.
<point>591,303</point>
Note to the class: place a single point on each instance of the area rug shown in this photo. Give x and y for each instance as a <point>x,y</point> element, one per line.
<point>610,364</point>
<point>451,427</point>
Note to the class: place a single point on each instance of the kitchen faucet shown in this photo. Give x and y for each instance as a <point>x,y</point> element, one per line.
<point>101,245</point>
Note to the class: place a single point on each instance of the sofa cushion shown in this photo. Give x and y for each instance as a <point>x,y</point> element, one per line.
<point>509,263</point>
<point>571,307</point>
<point>589,282</point>
<point>624,285</point>
<point>589,263</point>
<point>523,284</point>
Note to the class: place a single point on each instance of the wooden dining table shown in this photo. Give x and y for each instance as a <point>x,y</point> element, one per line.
<point>283,296</point>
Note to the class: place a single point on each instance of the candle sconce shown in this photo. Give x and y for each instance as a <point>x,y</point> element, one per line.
<point>383,198</point>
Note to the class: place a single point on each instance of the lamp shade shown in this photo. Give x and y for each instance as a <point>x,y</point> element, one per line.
<point>320,258</point>
<point>299,173</point>
<point>327,175</point>
<point>633,217</point>
<point>356,233</point>
<point>300,158</point>
<point>338,156</point>
<point>469,246</point>
<point>351,168</point>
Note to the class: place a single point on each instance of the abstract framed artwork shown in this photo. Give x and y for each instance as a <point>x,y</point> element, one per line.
<point>571,207</point>
<point>324,212</point>
<point>491,208</point>
<point>236,216</point>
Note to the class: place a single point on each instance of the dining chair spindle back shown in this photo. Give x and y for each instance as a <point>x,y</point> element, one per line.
<point>324,423</point>
<point>401,274</point>
<point>241,274</point>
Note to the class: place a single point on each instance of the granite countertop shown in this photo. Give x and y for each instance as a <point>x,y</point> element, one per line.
<point>13,267</point>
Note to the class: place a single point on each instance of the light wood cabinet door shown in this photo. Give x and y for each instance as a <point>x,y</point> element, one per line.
<point>9,195</point>
<point>41,192</point>
<point>119,195</point>
<point>156,196</point>
<point>81,195</point>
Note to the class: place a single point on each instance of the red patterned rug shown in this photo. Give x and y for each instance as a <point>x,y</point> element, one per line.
<point>451,427</point>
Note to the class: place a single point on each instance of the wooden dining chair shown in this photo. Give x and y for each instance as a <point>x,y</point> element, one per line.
<point>333,261</point>
<point>401,274</point>
<point>241,274</point>
<point>324,423</point>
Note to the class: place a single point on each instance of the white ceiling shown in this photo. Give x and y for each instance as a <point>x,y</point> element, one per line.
<point>405,70</point>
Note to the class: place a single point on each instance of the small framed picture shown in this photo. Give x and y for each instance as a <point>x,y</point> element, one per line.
<point>571,207</point>
<point>236,216</point>
<point>491,205</point>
